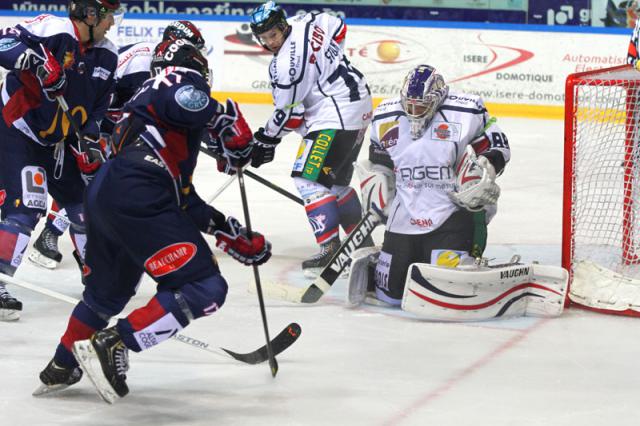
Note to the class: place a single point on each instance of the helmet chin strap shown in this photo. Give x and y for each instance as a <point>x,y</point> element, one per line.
<point>91,27</point>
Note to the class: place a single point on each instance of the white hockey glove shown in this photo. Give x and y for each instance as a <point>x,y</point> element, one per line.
<point>377,186</point>
<point>475,182</point>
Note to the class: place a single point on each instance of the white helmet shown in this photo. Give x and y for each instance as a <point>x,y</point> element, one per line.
<point>423,90</point>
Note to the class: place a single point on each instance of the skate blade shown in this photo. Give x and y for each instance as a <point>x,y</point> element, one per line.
<point>88,359</point>
<point>45,390</point>
<point>9,315</point>
<point>42,260</point>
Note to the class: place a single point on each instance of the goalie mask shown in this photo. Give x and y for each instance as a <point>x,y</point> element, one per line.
<point>179,53</point>
<point>423,91</point>
<point>267,17</point>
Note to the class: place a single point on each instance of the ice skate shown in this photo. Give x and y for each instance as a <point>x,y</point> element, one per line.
<point>312,266</point>
<point>10,307</point>
<point>105,360</point>
<point>55,378</point>
<point>45,251</point>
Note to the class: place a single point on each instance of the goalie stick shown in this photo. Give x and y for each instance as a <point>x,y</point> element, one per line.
<point>280,343</point>
<point>330,273</point>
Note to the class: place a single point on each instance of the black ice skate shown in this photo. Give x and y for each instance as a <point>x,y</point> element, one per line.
<point>105,360</point>
<point>55,378</point>
<point>45,251</point>
<point>10,307</point>
<point>312,266</point>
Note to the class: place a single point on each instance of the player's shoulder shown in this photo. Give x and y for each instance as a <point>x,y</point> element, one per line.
<point>108,46</point>
<point>135,58</point>
<point>45,26</point>
<point>463,102</point>
<point>287,65</point>
<point>388,109</point>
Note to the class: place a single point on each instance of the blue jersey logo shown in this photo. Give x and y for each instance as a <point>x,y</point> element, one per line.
<point>192,99</point>
<point>8,44</point>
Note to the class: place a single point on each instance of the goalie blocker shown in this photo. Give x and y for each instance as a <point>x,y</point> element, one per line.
<point>470,293</point>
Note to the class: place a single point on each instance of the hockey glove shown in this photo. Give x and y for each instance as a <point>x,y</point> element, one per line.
<point>224,166</point>
<point>475,182</point>
<point>231,137</point>
<point>89,159</point>
<point>264,148</point>
<point>232,238</point>
<point>47,70</point>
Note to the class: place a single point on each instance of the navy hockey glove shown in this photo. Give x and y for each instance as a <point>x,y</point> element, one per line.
<point>89,159</point>
<point>264,148</point>
<point>46,68</point>
<point>232,238</point>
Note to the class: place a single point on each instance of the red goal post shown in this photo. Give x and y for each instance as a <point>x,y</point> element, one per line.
<point>601,205</point>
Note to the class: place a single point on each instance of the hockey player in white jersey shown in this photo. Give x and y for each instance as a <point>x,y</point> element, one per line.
<point>443,151</point>
<point>320,95</point>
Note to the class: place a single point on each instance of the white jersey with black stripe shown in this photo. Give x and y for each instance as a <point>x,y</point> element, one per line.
<point>425,167</point>
<point>311,77</point>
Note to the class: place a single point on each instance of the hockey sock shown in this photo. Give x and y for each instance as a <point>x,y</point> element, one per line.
<point>349,208</point>
<point>57,221</point>
<point>169,311</point>
<point>323,216</point>
<point>82,324</point>
<point>77,229</point>
<point>14,238</point>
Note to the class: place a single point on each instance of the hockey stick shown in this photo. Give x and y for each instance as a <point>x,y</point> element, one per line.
<point>221,189</point>
<point>260,179</point>
<point>330,273</point>
<point>273,364</point>
<point>82,144</point>
<point>273,186</point>
<point>281,342</point>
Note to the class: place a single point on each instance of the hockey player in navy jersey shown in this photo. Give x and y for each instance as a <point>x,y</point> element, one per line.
<point>133,69</point>
<point>48,57</point>
<point>320,95</point>
<point>440,152</point>
<point>144,215</point>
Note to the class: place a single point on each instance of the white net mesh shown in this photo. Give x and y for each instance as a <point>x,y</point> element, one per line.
<point>605,204</point>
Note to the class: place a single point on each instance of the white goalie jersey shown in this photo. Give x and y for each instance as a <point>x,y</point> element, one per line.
<point>313,84</point>
<point>425,168</point>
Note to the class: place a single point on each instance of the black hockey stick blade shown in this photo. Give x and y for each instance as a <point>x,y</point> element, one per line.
<point>312,294</point>
<point>279,343</point>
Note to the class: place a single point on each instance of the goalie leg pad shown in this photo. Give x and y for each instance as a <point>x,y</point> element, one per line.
<point>363,263</point>
<point>481,293</point>
<point>377,186</point>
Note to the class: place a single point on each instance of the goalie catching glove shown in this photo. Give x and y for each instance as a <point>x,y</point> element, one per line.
<point>231,139</point>
<point>234,240</point>
<point>475,182</point>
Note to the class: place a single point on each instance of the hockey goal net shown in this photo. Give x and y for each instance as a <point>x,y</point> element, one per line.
<point>601,206</point>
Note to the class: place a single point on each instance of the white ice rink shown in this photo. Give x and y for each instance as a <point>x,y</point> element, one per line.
<point>365,366</point>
